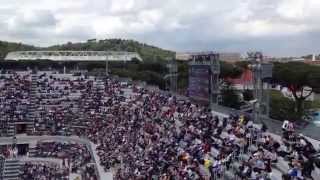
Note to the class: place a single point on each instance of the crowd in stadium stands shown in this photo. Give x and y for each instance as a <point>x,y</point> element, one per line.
<point>14,99</point>
<point>43,171</point>
<point>89,172</point>
<point>142,134</point>
<point>74,156</point>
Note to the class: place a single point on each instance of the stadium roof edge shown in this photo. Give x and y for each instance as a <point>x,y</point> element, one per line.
<point>73,55</point>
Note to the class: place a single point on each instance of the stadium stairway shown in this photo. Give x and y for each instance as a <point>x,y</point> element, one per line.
<point>33,107</point>
<point>32,150</point>
<point>11,129</point>
<point>2,159</point>
<point>11,170</point>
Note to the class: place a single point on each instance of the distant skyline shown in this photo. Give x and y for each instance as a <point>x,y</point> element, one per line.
<point>276,27</point>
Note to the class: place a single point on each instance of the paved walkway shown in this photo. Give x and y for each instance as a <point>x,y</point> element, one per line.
<point>104,175</point>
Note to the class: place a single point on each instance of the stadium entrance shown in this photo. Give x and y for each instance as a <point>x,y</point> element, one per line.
<point>22,149</point>
<point>21,128</point>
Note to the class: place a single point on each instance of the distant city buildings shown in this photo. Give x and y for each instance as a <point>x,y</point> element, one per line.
<point>233,57</point>
<point>309,59</point>
<point>224,56</point>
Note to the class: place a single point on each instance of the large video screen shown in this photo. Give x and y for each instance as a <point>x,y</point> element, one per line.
<point>199,82</point>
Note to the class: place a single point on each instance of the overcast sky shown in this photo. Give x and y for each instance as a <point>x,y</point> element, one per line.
<point>276,27</point>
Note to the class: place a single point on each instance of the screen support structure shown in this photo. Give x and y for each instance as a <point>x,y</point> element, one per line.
<point>262,72</point>
<point>215,73</point>
<point>173,75</point>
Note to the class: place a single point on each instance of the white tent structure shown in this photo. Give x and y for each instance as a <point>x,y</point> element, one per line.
<point>67,56</point>
<point>73,55</point>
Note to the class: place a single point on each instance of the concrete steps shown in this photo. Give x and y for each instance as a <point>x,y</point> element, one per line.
<point>2,160</point>
<point>32,151</point>
<point>11,169</point>
<point>33,106</point>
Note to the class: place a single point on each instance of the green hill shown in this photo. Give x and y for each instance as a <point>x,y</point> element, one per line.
<point>147,52</point>
<point>6,47</point>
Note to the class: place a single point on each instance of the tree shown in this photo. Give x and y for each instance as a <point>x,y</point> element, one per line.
<point>229,70</point>
<point>300,78</point>
<point>243,64</point>
<point>281,107</point>
<point>229,96</point>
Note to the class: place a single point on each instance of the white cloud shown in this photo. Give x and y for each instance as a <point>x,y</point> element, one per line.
<point>108,25</point>
<point>39,18</point>
<point>178,24</point>
<point>264,28</point>
<point>122,6</point>
<point>292,9</point>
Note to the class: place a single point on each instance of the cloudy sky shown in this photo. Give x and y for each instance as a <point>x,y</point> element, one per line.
<point>276,27</point>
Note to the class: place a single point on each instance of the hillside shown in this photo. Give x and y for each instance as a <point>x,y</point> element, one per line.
<point>147,52</point>
<point>6,47</point>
